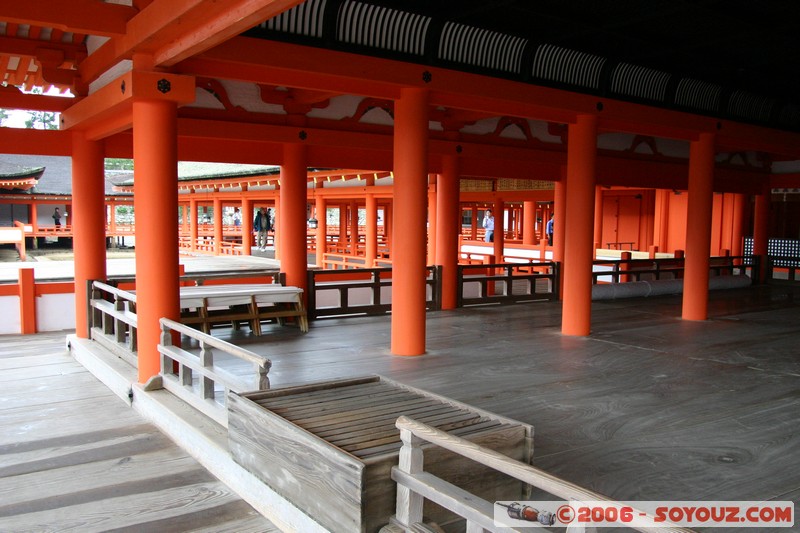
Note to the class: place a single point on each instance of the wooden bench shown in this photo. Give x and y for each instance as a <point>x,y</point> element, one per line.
<point>329,447</point>
<point>212,304</point>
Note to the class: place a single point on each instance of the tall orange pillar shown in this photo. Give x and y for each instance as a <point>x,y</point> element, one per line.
<point>433,220</point>
<point>499,229</point>
<point>193,216</point>
<point>661,220</point>
<point>737,229</point>
<point>353,227</point>
<point>578,227</point>
<point>247,226</point>
<point>294,180</point>
<point>371,233</point>
<point>598,220</point>
<point>277,236</point>
<point>88,222</point>
<point>559,219</point>
<point>322,229</point>
<point>698,228</point>
<point>528,222</point>
<point>761,231</point>
<point>155,199</point>
<point>218,226</point>
<point>448,228</point>
<point>410,199</point>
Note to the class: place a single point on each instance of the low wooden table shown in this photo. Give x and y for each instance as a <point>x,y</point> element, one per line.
<point>209,304</point>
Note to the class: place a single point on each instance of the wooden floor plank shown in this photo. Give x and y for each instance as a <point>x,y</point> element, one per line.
<point>73,457</point>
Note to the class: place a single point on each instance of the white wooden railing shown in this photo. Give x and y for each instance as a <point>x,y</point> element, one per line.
<point>195,378</point>
<point>414,485</point>
<point>112,320</point>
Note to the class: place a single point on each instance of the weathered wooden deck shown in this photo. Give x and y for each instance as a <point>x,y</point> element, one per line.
<point>649,407</point>
<point>74,457</point>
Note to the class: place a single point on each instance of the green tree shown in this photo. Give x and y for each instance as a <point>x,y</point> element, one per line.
<point>113,163</point>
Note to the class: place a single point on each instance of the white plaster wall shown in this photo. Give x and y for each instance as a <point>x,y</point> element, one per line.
<point>54,312</point>
<point>9,310</point>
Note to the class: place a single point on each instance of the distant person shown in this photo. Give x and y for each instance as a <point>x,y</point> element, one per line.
<point>261,225</point>
<point>488,225</point>
<point>57,218</point>
<point>237,217</point>
<point>549,230</point>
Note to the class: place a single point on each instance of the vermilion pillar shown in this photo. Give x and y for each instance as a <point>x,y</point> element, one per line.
<point>408,238</point>
<point>294,179</point>
<point>528,222</point>
<point>737,229</point>
<point>322,229</point>
<point>760,230</point>
<point>193,216</point>
<point>277,236</point>
<point>155,200</point>
<point>433,220</point>
<point>217,226</point>
<point>661,220</point>
<point>499,229</point>
<point>598,220</point>
<point>559,220</point>
<point>698,228</point>
<point>247,226</point>
<point>354,227</point>
<point>371,234</point>
<point>447,229</point>
<point>88,223</point>
<point>579,235</point>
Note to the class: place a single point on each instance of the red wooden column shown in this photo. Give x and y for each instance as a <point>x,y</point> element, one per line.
<point>217,226</point>
<point>698,228</point>
<point>155,200</point>
<point>761,231</point>
<point>277,236</point>
<point>598,220</point>
<point>371,233</point>
<point>433,220</point>
<point>408,238</point>
<point>528,222</point>
<point>88,223</point>
<point>559,220</point>
<point>193,216</point>
<point>354,227</point>
<point>499,229</point>
<point>294,179</point>
<point>447,229</point>
<point>661,219</point>
<point>322,228</point>
<point>247,226</point>
<point>737,229</point>
<point>581,161</point>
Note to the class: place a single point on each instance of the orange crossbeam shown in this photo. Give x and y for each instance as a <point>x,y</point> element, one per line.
<point>171,30</point>
<point>111,105</point>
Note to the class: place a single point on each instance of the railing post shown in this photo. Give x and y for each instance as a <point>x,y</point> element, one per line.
<point>165,340</point>
<point>207,361</point>
<point>263,378</point>
<point>119,325</point>
<point>409,503</point>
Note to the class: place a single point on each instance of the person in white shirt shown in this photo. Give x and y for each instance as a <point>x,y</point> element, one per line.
<point>488,225</point>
